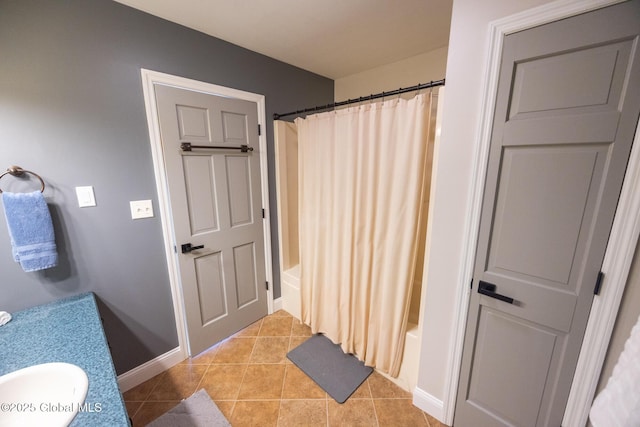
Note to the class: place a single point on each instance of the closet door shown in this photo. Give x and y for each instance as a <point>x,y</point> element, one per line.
<point>567,108</point>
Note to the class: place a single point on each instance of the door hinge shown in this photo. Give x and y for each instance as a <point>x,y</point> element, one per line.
<point>263,213</point>
<point>596,290</point>
<point>175,249</point>
<point>259,130</point>
<point>266,285</point>
<point>471,284</point>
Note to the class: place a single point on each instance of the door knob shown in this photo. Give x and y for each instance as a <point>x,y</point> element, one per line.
<point>186,248</point>
<point>489,289</point>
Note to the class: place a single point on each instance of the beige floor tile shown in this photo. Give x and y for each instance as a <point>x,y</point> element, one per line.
<point>140,392</point>
<point>296,341</point>
<point>178,383</point>
<point>398,412</point>
<point>252,413</point>
<point>132,407</point>
<point>234,350</point>
<point>433,422</point>
<point>226,407</point>
<point>204,358</point>
<point>383,388</point>
<point>297,385</point>
<point>362,392</point>
<point>252,330</point>
<point>223,381</point>
<point>299,329</point>
<point>262,382</point>
<point>270,350</point>
<point>149,411</point>
<point>353,412</point>
<point>302,413</point>
<point>280,313</point>
<point>279,326</point>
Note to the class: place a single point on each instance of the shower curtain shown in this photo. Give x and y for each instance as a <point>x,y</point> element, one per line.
<point>361,189</point>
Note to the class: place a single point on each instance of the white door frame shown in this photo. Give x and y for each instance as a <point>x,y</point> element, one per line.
<point>620,249</point>
<point>149,78</point>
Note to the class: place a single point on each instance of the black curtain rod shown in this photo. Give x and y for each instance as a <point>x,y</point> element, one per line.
<point>277,116</point>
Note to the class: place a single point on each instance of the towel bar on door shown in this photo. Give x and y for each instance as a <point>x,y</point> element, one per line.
<point>18,171</point>
<point>186,146</point>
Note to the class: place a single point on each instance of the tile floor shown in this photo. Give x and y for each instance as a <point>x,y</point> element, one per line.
<point>254,384</point>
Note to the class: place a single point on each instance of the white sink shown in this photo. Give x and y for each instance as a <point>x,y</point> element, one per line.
<point>49,394</point>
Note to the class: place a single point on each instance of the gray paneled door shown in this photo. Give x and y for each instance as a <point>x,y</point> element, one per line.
<point>566,113</point>
<point>216,208</point>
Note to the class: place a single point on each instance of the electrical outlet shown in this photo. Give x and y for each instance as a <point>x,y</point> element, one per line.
<point>141,209</point>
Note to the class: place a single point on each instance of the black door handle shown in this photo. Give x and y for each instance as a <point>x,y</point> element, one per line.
<point>489,289</point>
<point>186,248</point>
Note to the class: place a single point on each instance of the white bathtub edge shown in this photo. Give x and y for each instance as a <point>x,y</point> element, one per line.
<point>407,378</point>
<point>290,292</point>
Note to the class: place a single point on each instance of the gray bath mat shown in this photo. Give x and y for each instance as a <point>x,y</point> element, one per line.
<point>198,410</point>
<point>338,374</point>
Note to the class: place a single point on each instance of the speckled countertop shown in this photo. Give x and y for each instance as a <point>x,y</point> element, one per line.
<point>68,330</point>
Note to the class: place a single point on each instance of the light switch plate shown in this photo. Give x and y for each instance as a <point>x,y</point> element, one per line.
<point>141,209</point>
<point>86,197</point>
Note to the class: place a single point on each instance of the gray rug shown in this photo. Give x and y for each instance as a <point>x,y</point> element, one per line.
<point>198,410</point>
<point>338,374</point>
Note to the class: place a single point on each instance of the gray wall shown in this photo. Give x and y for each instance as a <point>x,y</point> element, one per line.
<point>71,109</point>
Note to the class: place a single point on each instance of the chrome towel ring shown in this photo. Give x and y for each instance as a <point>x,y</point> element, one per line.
<point>18,171</point>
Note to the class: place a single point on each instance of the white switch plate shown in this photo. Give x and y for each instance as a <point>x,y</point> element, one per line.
<point>141,209</point>
<point>85,195</point>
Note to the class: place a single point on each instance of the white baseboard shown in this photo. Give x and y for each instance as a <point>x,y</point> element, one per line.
<point>429,404</point>
<point>148,370</point>
<point>277,304</point>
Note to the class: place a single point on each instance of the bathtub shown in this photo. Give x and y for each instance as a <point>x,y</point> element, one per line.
<point>290,285</point>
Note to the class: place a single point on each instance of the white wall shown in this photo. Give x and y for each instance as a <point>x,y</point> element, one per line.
<point>408,72</point>
<point>461,113</point>
<point>625,321</point>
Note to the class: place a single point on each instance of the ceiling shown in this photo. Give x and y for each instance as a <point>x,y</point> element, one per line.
<point>333,38</point>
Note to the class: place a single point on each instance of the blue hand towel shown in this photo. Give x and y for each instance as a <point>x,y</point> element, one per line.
<point>31,230</point>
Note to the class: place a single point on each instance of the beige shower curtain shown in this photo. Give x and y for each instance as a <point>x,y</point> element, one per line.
<point>361,188</point>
